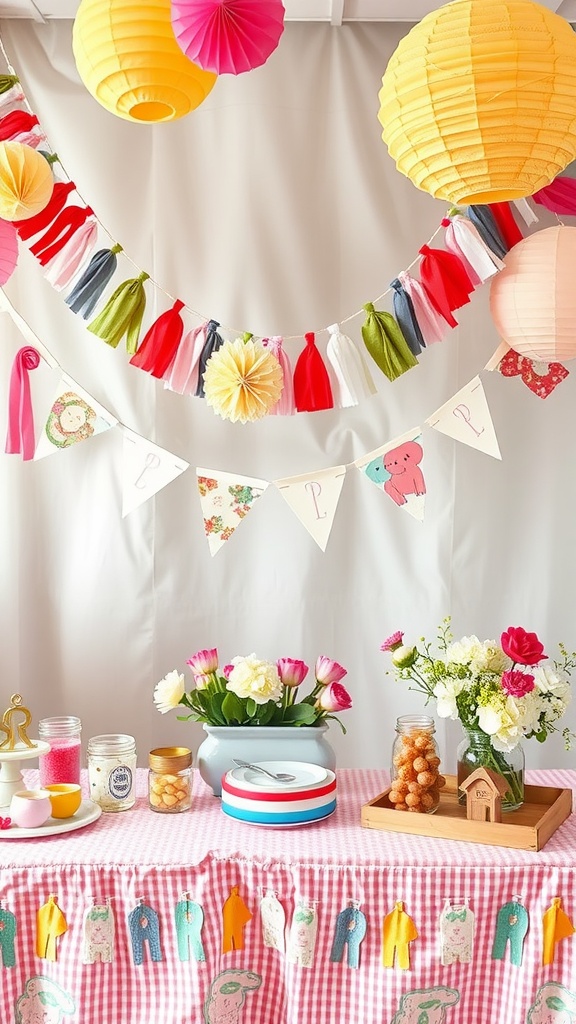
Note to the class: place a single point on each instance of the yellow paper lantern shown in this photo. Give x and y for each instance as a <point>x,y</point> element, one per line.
<point>478,102</point>
<point>533,300</point>
<point>26,181</point>
<point>128,58</point>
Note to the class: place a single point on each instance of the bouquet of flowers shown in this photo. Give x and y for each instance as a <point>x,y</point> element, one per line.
<point>249,691</point>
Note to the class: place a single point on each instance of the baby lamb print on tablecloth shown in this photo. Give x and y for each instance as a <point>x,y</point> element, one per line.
<point>395,467</point>
<point>43,1001</point>
<point>227,995</point>
<point>426,1006</point>
<point>554,1004</point>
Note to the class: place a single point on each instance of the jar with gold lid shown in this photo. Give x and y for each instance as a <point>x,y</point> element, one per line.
<point>170,779</point>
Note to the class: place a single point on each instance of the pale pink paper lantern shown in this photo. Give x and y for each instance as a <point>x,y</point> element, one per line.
<point>8,250</point>
<point>533,300</point>
<point>228,36</point>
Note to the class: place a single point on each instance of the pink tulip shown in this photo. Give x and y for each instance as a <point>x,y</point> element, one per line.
<point>334,697</point>
<point>227,670</point>
<point>203,663</point>
<point>328,671</point>
<point>291,671</point>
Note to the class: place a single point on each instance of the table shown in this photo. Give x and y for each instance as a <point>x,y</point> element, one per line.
<point>314,871</point>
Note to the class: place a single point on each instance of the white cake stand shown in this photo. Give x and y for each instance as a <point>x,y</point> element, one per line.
<point>10,774</point>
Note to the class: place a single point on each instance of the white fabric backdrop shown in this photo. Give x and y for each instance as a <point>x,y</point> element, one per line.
<point>274,208</point>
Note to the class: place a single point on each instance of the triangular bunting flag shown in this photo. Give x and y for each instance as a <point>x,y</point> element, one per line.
<point>466,417</point>
<point>395,467</point>
<point>226,498</point>
<point>314,498</point>
<point>75,416</point>
<point>146,470</point>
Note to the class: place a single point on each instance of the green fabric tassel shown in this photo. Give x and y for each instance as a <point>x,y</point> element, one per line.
<point>7,82</point>
<point>386,343</point>
<point>123,314</point>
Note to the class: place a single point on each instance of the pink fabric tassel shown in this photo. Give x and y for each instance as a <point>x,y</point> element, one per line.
<point>20,435</point>
<point>182,374</point>
<point>64,266</point>
<point>559,196</point>
<point>432,325</point>
<point>285,405</point>
<point>33,139</point>
<point>14,95</point>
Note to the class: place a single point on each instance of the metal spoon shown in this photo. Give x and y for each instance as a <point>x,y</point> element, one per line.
<point>279,776</point>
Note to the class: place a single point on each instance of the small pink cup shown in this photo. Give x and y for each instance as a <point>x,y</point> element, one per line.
<point>30,808</point>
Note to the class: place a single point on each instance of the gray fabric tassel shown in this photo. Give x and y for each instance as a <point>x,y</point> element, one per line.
<point>406,316</point>
<point>88,289</point>
<point>211,345</point>
<point>484,222</point>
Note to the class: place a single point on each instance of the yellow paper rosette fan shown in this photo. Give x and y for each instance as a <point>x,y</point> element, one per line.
<point>478,102</point>
<point>26,181</point>
<point>242,381</point>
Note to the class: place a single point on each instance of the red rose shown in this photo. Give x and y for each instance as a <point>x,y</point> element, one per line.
<point>524,648</point>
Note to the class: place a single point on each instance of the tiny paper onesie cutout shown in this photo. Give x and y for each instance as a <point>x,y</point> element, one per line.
<point>424,1005</point>
<point>302,936</point>
<point>99,929</point>
<point>557,925</point>
<point>50,924</point>
<point>350,930</point>
<point>7,937</point>
<point>273,921</point>
<point>456,933</point>
<point>235,915</point>
<point>189,918</point>
<point>395,467</point>
<point>42,1000</point>
<point>554,1004</point>
<point>511,926</point>
<point>144,926</point>
<point>398,932</point>
<point>227,994</point>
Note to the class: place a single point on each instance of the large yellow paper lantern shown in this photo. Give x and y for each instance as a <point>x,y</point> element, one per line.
<point>533,300</point>
<point>128,58</point>
<point>478,102</point>
<point>26,181</point>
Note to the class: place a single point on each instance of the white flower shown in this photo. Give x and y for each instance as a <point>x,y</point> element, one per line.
<point>462,651</point>
<point>509,734</point>
<point>446,692</point>
<point>490,719</point>
<point>489,658</point>
<point>168,692</point>
<point>253,678</point>
<point>549,680</point>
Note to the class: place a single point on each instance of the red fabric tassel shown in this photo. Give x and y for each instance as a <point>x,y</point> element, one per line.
<point>312,390</point>
<point>161,342</point>
<point>505,220</point>
<point>67,222</point>
<point>445,279</point>
<point>60,193</point>
<point>16,122</point>
<point>559,196</point>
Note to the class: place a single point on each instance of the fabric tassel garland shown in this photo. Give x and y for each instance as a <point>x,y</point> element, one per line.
<point>350,368</point>
<point>161,342</point>
<point>123,314</point>
<point>312,388</point>
<point>386,343</point>
<point>20,434</point>
<point>65,265</point>
<point>559,196</point>
<point>446,281</point>
<point>60,232</point>
<point>13,94</point>
<point>88,289</point>
<point>285,406</point>
<point>406,317</point>
<point>7,82</point>
<point>463,240</point>
<point>483,220</point>
<point>42,220</point>
<point>16,123</point>
<point>182,375</point>
<point>33,138</point>
<point>212,343</point>
<point>432,325</point>
<point>507,225</point>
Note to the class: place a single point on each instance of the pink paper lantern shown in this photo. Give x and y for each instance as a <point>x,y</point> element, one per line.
<point>228,36</point>
<point>8,250</point>
<point>533,300</point>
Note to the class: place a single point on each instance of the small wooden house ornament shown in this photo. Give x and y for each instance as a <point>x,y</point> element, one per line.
<point>484,790</point>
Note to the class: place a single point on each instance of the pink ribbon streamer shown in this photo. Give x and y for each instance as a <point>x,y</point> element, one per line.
<point>20,435</point>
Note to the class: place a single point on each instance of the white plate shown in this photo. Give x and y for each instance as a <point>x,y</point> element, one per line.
<point>307,775</point>
<point>85,815</point>
<point>289,824</point>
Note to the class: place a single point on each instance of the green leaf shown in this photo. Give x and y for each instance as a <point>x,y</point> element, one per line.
<point>266,712</point>
<point>554,1003</point>
<point>423,1018</point>
<point>251,707</point>
<point>300,714</point>
<point>430,1004</point>
<point>215,714</point>
<point>233,709</point>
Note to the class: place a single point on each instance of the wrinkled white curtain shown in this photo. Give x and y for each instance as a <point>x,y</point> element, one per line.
<point>274,208</point>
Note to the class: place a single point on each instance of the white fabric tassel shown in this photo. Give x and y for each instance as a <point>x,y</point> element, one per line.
<point>64,266</point>
<point>432,323</point>
<point>14,95</point>
<point>525,211</point>
<point>463,240</point>
<point>352,373</point>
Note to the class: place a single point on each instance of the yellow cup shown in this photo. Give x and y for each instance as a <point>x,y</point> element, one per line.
<point>65,798</point>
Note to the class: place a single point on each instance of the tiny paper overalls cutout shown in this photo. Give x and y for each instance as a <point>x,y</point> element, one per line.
<point>273,922</point>
<point>99,934</point>
<point>398,932</point>
<point>350,930</point>
<point>557,925</point>
<point>7,936</point>
<point>189,918</point>
<point>302,937</point>
<point>235,915</point>
<point>511,925</point>
<point>456,933</point>
<point>50,924</point>
<point>227,994</point>
<point>144,926</point>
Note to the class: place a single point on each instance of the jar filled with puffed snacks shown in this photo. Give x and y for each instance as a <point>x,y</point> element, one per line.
<point>416,779</point>
<point>170,779</point>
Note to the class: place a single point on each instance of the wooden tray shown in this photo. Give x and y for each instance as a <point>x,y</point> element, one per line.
<point>528,828</point>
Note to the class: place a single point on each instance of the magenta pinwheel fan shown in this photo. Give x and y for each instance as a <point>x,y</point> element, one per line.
<point>228,36</point>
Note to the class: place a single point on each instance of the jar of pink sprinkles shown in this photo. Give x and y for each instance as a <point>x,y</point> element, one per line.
<point>62,762</point>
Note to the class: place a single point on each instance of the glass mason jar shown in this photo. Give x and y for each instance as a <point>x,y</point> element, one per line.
<point>111,768</point>
<point>476,751</point>
<point>170,779</point>
<point>416,780</point>
<point>62,762</point>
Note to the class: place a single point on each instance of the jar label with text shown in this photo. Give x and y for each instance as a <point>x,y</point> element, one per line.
<point>120,782</point>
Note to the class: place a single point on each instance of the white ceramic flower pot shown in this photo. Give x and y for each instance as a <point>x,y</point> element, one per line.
<point>260,743</point>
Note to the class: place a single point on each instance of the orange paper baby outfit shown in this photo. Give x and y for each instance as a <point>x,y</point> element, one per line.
<point>235,915</point>
<point>50,923</point>
<point>398,931</point>
<point>557,925</point>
